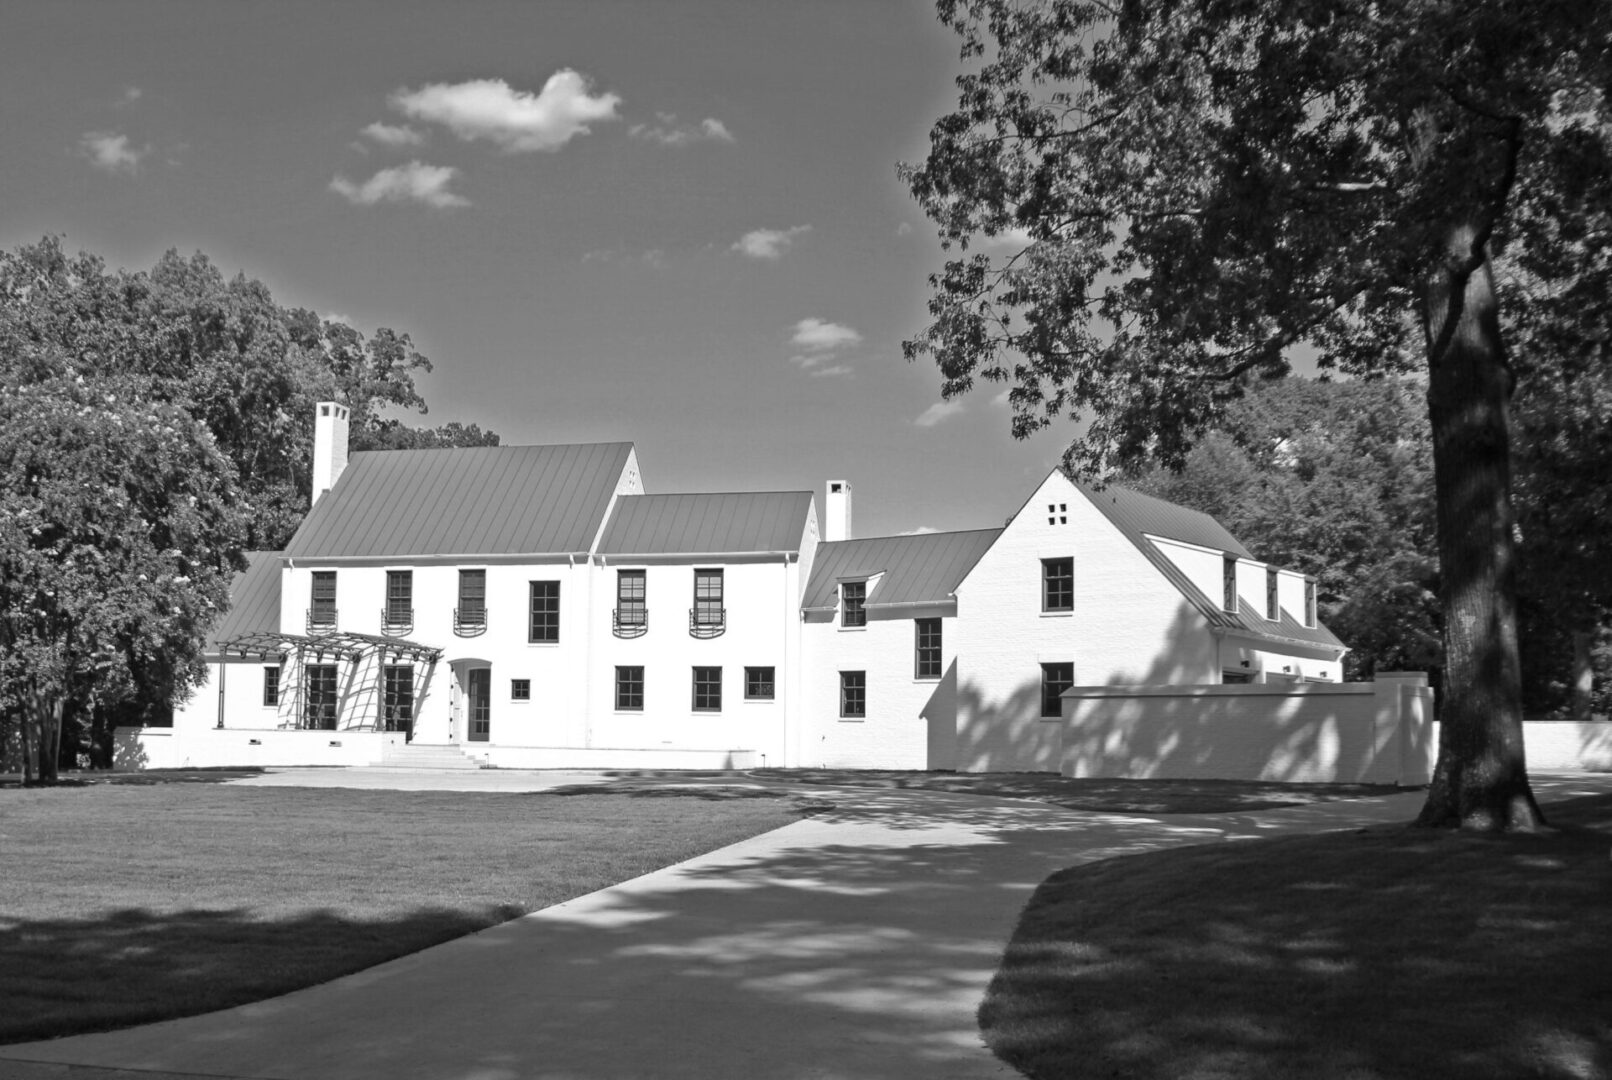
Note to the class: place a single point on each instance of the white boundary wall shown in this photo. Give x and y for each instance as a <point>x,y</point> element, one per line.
<point>1553,745</point>
<point>1380,732</point>
<point>175,748</point>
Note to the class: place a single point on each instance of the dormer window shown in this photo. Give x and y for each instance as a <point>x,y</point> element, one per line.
<point>1273,606</point>
<point>1309,602</point>
<point>1229,600</point>
<point>853,597</point>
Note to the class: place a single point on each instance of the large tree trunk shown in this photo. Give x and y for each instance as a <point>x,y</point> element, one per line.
<point>1481,780</point>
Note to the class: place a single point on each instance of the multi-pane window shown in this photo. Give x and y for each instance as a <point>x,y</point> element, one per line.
<point>708,598</point>
<point>1055,679</point>
<point>544,624</point>
<point>1228,565</point>
<point>271,685</point>
<point>319,697</point>
<point>1309,603</point>
<point>630,688</point>
<point>759,684</point>
<point>853,694</point>
<point>520,689</point>
<point>707,689</point>
<point>472,598</point>
<point>1273,610</point>
<point>399,598</point>
<point>322,601</point>
<point>926,648</point>
<point>853,598</point>
<point>479,689</point>
<point>1058,584</point>
<point>630,610</point>
<point>397,697</point>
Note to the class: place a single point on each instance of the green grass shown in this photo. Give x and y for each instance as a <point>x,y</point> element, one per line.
<point>128,903</point>
<point>1100,796</point>
<point>1384,953</point>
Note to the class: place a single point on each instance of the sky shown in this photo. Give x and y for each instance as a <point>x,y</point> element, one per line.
<point>674,222</point>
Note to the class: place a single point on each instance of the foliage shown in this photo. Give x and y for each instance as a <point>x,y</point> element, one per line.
<point>392,435</point>
<point>1334,479</point>
<point>120,529</point>
<point>1188,188</point>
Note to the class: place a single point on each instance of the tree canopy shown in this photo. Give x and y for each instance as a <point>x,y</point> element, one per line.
<point>1191,188</point>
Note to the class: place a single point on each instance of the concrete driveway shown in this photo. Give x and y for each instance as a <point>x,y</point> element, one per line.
<point>855,945</point>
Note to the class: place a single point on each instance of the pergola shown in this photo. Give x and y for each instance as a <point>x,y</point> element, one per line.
<point>337,644</point>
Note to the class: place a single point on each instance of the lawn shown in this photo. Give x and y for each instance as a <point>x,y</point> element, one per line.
<point>1097,796</point>
<point>128,903</point>
<point>1384,953</point>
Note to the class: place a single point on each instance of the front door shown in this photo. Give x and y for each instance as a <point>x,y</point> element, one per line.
<point>481,699</point>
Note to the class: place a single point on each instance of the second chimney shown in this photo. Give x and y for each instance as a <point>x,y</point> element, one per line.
<point>329,446</point>
<point>837,511</point>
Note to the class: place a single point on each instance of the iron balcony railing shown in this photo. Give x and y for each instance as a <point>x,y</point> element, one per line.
<point>707,622</point>
<point>629,622</point>
<point>321,620</point>
<point>470,621</point>
<point>397,620</point>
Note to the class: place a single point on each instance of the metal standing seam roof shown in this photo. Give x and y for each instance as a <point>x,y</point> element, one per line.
<point>254,600</point>
<point>921,569</point>
<point>1136,514</point>
<point>483,500</point>
<point>707,523</point>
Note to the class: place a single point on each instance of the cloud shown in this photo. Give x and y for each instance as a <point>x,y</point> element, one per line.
<point>1002,398</point>
<point>654,258</point>
<point>516,121</point>
<point>111,152</point>
<point>413,182</point>
<point>768,243</point>
<point>919,531</point>
<point>904,229</point>
<point>338,317</point>
<point>393,134</point>
<point>821,336</point>
<point>668,132</point>
<point>832,371</point>
<point>940,410</point>
<point>1015,237</point>
<point>130,95</point>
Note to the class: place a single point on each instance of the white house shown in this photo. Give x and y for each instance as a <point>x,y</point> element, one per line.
<point>533,606</point>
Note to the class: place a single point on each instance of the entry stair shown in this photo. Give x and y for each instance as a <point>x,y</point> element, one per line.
<point>415,756</point>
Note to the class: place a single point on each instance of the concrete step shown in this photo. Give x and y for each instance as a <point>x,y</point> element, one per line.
<point>415,756</point>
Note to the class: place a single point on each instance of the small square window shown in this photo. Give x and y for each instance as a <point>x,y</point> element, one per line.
<point>759,684</point>
<point>853,694</point>
<point>707,689</point>
<point>1055,679</point>
<point>1058,584</point>
<point>520,689</point>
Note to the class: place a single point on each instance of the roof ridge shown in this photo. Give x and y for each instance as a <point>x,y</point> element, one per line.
<point>914,535</point>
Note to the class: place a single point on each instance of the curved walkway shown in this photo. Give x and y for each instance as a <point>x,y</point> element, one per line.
<point>854,945</point>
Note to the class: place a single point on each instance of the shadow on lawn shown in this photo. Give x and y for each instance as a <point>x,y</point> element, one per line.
<point>144,778</point>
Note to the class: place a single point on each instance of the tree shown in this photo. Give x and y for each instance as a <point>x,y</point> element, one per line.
<point>120,529</point>
<point>392,435</point>
<point>1334,479</point>
<point>1203,184</point>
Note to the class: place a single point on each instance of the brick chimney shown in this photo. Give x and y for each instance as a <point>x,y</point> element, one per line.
<point>329,445</point>
<point>837,511</point>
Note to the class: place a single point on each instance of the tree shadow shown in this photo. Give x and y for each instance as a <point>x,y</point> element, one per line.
<point>148,778</point>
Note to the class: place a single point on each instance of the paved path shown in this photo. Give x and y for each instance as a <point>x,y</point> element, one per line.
<point>851,946</point>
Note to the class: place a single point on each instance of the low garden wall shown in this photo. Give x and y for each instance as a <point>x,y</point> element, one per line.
<point>162,748</point>
<point>1552,745</point>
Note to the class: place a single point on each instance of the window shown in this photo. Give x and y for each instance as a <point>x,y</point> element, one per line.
<point>630,610</point>
<point>1055,679</point>
<point>708,609</point>
<point>1236,678</point>
<point>1309,603</point>
<point>479,689</point>
<point>758,684</point>
<point>472,609</point>
<point>926,648</point>
<point>707,689</point>
<point>1058,584</point>
<point>1273,607</point>
<point>853,597</point>
<point>853,694</point>
<point>630,689</point>
<point>1057,513</point>
<point>520,689</point>
<point>1229,584</point>
<point>271,685</point>
<point>322,602</point>
<point>397,697</point>
<point>545,613</point>
<point>319,700</point>
<point>399,598</point>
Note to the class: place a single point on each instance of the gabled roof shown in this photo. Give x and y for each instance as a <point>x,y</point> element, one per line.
<point>921,569</point>
<point>1137,515</point>
<point>483,500</point>
<point>254,600</point>
<point>707,523</point>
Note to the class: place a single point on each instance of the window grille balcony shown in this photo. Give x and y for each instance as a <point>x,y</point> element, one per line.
<point>629,622</point>
<point>397,620</point>
<point>469,621</point>
<point>321,620</point>
<point>707,622</point>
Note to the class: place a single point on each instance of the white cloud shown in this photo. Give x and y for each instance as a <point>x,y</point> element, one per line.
<point>514,120</point>
<point>768,243</point>
<point>919,531</point>
<point>414,182</point>
<point>654,258</point>
<point>1013,238</point>
<point>338,317</point>
<point>940,410</point>
<point>668,132</point>
<point>130,95</point>
<point>394,134</point>
<point>111,152</point>
<point>1002,398</point>
<point>822,336</point>
<point>904,229</point>
<point>832,371</point>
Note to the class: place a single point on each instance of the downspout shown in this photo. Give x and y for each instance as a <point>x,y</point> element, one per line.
<point>223,672</point>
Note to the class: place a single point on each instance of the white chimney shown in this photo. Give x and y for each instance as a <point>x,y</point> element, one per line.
<point>837,511</point>
<point>329,446</point>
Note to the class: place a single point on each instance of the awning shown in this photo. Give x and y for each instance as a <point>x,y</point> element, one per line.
<point>268,644</point>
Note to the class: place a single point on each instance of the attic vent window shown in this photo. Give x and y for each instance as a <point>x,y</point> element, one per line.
<point>1057,513</point>
<point>835,488</point>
